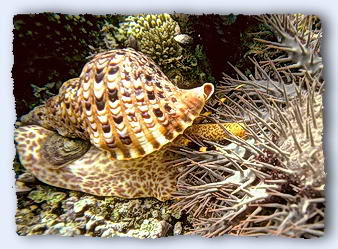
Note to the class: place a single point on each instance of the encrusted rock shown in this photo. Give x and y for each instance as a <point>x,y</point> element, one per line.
<point>82,214</point>
<point>151,228</point>
<point>178,228</point>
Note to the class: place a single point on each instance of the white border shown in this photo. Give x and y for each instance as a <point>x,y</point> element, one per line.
<point>328,12</point>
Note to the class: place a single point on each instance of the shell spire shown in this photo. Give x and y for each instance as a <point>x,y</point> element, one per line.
<point>125,105</point>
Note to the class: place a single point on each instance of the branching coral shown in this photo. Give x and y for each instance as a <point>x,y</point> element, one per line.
<point>159,37</point>
<point>151,34</point>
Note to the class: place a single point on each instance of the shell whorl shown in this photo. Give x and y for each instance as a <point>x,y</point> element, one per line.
<point>124,104</point>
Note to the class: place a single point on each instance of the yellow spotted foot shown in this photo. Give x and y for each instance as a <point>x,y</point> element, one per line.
<point>73,164</point>
<point>94,172</point>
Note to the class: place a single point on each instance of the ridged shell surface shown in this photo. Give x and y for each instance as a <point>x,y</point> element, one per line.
<point>126,105</point>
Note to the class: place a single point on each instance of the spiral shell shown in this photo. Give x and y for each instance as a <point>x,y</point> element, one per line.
<point>125,105</point>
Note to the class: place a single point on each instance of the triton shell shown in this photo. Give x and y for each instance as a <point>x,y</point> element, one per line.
<point>124,104</point>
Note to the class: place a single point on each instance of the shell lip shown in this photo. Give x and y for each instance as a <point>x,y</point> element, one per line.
<point>208,90</point>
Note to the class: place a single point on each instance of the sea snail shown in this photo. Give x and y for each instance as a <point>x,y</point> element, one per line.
<point>103,133</point>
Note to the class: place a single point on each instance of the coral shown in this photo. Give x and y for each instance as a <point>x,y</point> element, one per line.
<point>154,35</point>
<point>159,37</point>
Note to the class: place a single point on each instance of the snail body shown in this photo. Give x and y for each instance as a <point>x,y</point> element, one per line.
<point>128,110</point>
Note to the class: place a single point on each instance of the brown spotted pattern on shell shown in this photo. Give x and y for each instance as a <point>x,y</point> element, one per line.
<point>124,104</point>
